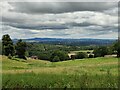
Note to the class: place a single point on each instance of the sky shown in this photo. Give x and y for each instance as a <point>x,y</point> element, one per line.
<point>75,20</point>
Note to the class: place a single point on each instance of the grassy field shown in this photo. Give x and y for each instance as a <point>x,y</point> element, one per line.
<point>84,73</point>
<point>82,51</point>
<point>75,52</point>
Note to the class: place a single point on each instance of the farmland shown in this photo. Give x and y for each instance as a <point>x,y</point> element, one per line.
<point>97,72</point>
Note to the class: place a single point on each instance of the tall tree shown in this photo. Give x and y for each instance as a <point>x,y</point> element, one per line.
<point>21,49</point>
<point>0,48</point>
<point>7,45</point>
<point>101,51</point>
<point>117,48</point>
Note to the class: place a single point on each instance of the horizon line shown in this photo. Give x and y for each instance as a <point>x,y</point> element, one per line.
<point>63,38</point>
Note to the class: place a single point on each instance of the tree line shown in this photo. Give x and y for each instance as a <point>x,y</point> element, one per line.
<point>54,53</point>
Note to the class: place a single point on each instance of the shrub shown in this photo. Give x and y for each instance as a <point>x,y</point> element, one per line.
<point>101,51</point>
<point>62,55</point>
<point>81,55</point>
<point>56,59</point>
<point>44,56</point>
<point>117,48</point>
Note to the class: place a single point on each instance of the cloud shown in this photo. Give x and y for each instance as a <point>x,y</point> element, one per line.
<point>59,20</point>
<point>112,11</point>
<point>16,32</point>
<point>60,7</point>
<point>37,27</point>
<point>83,24</point>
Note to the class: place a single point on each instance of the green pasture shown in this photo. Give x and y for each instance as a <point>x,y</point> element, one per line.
<point>82,73</point>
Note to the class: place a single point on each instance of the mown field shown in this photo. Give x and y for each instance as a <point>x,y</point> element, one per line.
<point>84,73</point>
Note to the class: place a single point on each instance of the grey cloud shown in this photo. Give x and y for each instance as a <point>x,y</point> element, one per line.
<point>13,19</point>
<point>101,29</point>
<point>93,27</point>
<point>98,33</point>
<point>112,11</point>
<point>83,24</point>
<point>110,28</point>
<point>60,7</point>
<point>60,34</point>
<point>37,27</point>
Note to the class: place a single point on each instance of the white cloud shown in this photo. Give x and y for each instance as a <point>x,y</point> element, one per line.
<point>73,24</point>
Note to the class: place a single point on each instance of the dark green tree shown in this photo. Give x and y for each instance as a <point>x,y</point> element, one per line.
<point>21,49</point>
<point>56,59</point>
<point>117,48</point>
<point>7,45</point>
<point>0,48</point>
<point>100,51</point>
<point>81,55</point>
<point>61,54</point>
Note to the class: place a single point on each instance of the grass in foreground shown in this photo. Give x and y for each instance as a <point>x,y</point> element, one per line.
<point>32,80</point>
<point>86,73</point>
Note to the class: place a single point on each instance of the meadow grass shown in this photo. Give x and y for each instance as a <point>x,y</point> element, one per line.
<point>32,80</point>
<point>84,73</point>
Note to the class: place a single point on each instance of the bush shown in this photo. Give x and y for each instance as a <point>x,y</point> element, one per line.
<point>56,59</point>
<point>81,55</point>
<point>117,48</point>
<point>62,55</point>
<point>44,56</point>
<point>101,51</point>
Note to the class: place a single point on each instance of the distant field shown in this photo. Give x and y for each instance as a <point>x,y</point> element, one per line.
<point>84,73</point>
<point>83,51</point>
<point>75,52</point>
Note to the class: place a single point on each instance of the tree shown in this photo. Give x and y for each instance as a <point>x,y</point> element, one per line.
<point>43,56</point>
<point>62,55</point>
<point>101,51</point>
<point>7,45</point>
<point>81,55</point>
<point>21,49</point>
<point>0,48</point>
<point>117,48</point>
<point>56,59</point>
<point>110,50</point>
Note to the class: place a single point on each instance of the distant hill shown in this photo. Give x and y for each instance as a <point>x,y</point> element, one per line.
<point>73,42</point>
